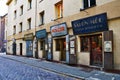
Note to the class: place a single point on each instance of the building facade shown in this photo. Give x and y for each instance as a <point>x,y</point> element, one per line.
<point>84,32</point>
<point>2,33</point>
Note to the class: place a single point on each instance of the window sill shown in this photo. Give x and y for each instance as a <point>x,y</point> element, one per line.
<point>84,51</point>
<point>58,18</point>
<point>20,31</point>
<point>40,1</point>
<point>15,18</point>
<point>87,8</point>
<point>28,29</point>
<point>21,14</point>
<point>29,9</point>
<point>14,33</point>
<point>41,24</point>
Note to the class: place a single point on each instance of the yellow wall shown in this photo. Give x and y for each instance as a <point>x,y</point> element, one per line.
<point>115,26</point>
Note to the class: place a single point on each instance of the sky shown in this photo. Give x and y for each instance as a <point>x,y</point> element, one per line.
<point>3,7</point>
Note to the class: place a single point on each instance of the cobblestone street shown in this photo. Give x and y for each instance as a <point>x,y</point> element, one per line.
<point>23,68</point>
<point>12,70</point>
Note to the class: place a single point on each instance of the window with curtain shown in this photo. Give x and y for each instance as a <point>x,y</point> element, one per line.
<point>59,9</point>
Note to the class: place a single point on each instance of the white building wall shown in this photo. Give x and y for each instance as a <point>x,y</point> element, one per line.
<point>101,2</point>
<point>69,8</point>
<point>48,7</point>
<point>20,18</point>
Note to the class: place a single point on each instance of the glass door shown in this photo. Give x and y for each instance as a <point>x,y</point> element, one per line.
<point>96,50</point>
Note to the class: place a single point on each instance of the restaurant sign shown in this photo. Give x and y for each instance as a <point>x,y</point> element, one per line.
<point>91,24</point>
<point>41,34</point>
<point>59,30</point>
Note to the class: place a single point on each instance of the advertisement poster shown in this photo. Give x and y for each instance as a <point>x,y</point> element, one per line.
<point>72,51</point>
<point>72,44</point>
<point>108,46</point>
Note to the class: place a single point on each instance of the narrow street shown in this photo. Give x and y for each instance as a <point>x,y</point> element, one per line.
<point>24,68</point>
<point>14,70</point>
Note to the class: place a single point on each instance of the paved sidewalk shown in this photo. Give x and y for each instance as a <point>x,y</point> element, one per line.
<point>65,69</point>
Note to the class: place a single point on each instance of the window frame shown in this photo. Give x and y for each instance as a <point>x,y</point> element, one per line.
<point>90,39</point>
<point>59,10</point>
<point>29,23</point>
<point>21,10</point>
<point>86,44</point>
<point>15,14</point>
<point>14,29</point>
<point>29,4</point>
<point>41,17</point>
<point>21,26</point>
<point>87,4</point>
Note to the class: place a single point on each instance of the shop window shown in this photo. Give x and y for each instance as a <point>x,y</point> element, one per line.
<point>84,44</point>
<point>89,3</point>
<point>90,42</point>
<point>59,9</point>
<point>57,44</point>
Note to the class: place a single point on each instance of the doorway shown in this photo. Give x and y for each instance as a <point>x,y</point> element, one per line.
<point>61,46</point>
<point>96,50</point>
<point>63,49</point>
<point>93,45</point>
<point>42,47</point>
<point>20,48</point>
<point>14,48</point>
<point>29,48</point>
